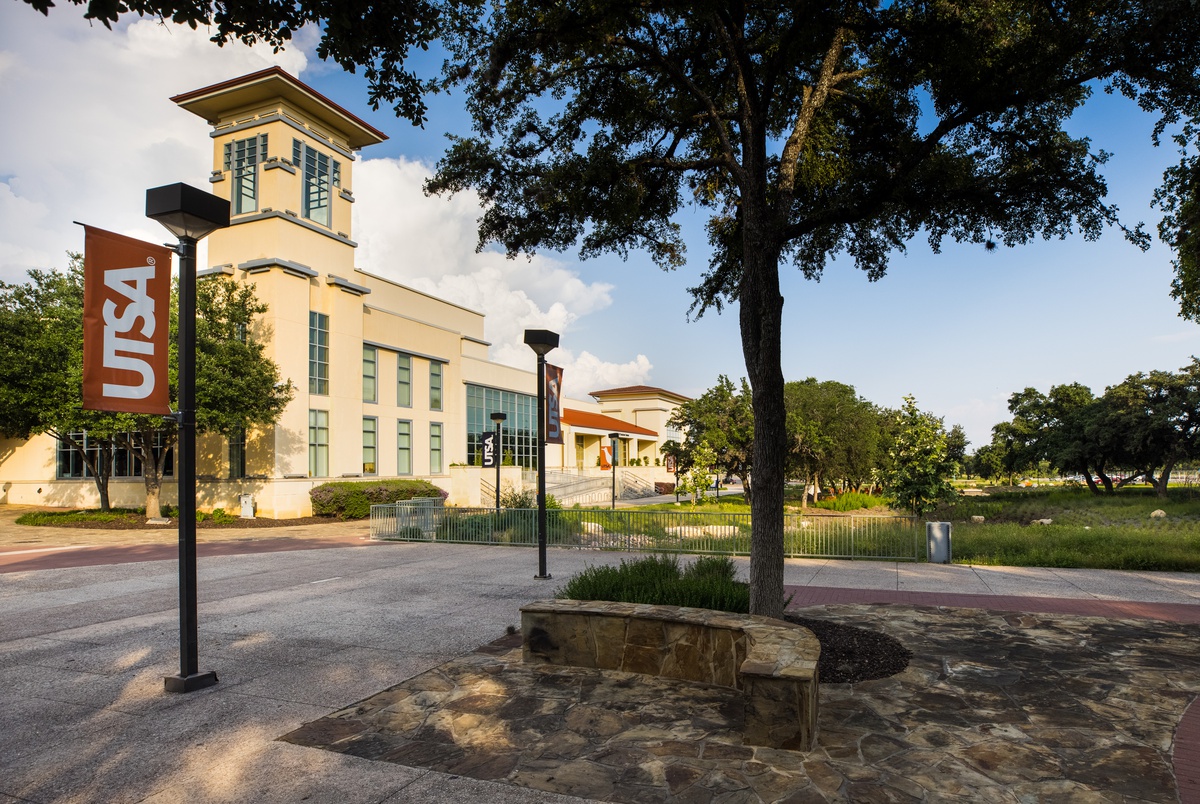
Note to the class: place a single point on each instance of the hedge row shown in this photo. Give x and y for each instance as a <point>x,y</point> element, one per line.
<point>353,500</point>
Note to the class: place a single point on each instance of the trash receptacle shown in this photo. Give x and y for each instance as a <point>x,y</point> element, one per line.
<point>246,501</point>
<point>937,534</point>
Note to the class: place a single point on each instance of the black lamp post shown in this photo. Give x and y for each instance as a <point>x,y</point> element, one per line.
<point>614,441</point>
<point>191,215</point>
<point>541,341</point>
<point>498,418</point>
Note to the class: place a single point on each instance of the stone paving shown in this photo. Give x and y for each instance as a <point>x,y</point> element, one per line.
<point>995,706</point>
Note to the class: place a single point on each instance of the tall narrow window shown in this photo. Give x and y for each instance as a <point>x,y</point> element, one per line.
<point>242,158</point>
<point>237,454</point>
<point>318,353</point>
<point>403,448</point>
<point>435,449</point>
<point>435,386</point>
<point>318,443</point>
<point>370,373</point>
<point>70,462</point>
<point>370,437</point>
<point>315,169</point>
<point>404,381</point>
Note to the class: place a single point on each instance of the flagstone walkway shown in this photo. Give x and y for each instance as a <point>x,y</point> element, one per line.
<point>995,706</point>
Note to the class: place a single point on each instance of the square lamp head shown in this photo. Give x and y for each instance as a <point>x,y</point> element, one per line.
<point>186,211</point>
<point>541,341</point>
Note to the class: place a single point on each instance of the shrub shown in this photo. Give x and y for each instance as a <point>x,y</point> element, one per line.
<point>850,501</point>
<point>351,500</point>
<point>513,497</point>
<point>708,583</point>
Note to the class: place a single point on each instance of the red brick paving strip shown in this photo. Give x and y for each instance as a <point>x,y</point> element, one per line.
<point>23,561</point>
<point>1185,753</point>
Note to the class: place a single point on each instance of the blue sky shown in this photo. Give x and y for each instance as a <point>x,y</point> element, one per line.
<point>961,330</point>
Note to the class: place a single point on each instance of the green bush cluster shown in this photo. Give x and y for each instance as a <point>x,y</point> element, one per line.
<point>353,500</point>
<point>57,518</point>
<point>850,501</point>
<point>709,582</point>
<point>217,517</point>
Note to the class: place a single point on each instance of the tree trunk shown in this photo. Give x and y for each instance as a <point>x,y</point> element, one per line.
<point>1106,480</point>
<point>100,470</point>
<point>761,320</point>
<point>1164,477</point>
<point>153,500</point>
<point>152,469</point>
<point>1091,482</point>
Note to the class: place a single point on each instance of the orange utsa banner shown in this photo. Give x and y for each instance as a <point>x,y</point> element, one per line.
<point>126,323</point>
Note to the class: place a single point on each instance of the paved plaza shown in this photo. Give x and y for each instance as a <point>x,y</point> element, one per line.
<point>296,635</point>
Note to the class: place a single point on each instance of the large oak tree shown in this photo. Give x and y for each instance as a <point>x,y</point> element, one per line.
<point>808,131</point>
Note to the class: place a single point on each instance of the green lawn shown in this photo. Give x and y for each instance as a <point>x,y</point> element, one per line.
<point>1089,531</point>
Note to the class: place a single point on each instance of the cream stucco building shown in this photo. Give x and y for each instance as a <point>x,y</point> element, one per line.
<point>391,382</point>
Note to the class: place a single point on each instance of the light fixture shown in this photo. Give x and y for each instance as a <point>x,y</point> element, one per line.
<point>189,214</point>
<point>541,341</point>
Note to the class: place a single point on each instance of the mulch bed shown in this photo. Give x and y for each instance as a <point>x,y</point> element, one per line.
<point>850,654</point>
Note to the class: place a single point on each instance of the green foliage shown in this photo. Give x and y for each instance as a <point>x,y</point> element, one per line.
<point>372,36</point>
<point>1174,549</point>
<point>60,518</point>
<point>707,583</point>
<point>850,501</point>
<point>353,500</point>
<point>217,517</point>
<point>696,480</point>
<point>1147,424</point>
<point>722,419</point>
<point>1179,199</point>
<point>917,479</point>
<point>1110,531</point>
<point>513,497</point>
<point>832,433</point>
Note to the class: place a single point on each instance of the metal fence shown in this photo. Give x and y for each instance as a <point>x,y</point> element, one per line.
<point>804,536</point>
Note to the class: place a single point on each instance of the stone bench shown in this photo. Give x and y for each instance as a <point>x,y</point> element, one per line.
<point>773,663</point>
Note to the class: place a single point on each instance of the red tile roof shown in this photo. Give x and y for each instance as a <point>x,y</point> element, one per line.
<point>598,421</point>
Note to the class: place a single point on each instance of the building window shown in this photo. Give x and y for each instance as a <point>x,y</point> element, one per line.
<point>370,438</point>
<point>125,462</point>
<point>519,433</point>
<point>237,454</point>
<point>404,448</point>
<point>318,172</point>
<point>435,449</point>
<point>370,373</point>
<point>435,386</point>
<point>70,463</point>
<point>318,353</point>
<point>242,158</point>
<point>318,443</point>
<point>404,381</point>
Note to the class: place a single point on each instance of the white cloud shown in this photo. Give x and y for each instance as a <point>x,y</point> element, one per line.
<point>429,244</point>
<point>89,125</point>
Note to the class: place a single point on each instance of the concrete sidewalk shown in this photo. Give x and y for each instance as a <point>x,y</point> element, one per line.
<point>296,635</point>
